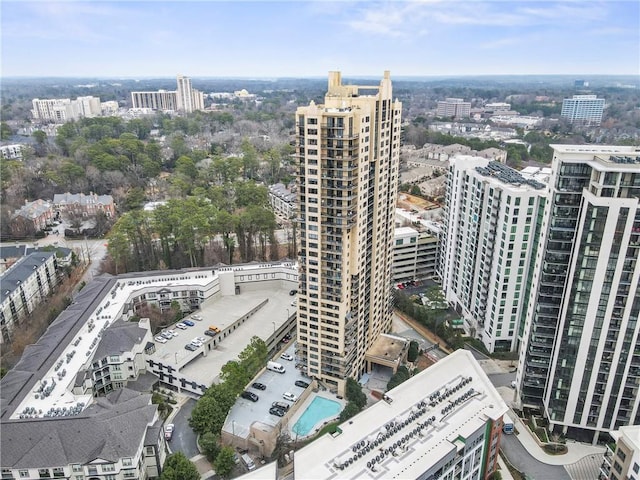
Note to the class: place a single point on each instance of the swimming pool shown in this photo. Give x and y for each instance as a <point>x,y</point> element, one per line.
<point>320,409</point>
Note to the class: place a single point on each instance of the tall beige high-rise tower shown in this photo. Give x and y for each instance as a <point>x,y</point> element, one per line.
<point>348,154</point>
<point>188,99</point>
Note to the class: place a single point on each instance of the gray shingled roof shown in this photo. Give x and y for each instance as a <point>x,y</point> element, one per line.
<point>21,271</point>
<point>82,199</point>
<point>12,251</point>
<point>118,338</point>
<point>112,428</point>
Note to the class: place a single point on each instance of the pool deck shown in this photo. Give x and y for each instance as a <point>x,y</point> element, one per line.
<point>303,408</point>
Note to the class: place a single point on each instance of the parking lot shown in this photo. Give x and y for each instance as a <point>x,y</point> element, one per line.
<point>245,412</point>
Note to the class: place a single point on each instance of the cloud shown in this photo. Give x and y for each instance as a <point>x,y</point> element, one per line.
<point>408,18</point>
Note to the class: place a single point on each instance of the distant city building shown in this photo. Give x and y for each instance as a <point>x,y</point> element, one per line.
<point>109,108</point>
<point>64,109</point>
<point>489,240</point>
<point>580,358</point>
<point>497,107</point>
<point>623,463</point>
<point>160,100</point>
<point>444,422</point>
<point>583,109</point>
<point>84,204</point>
<point>283,201</point>
<point>453,107</point>
<point>581,84</point>
<point>185,99</point>
<point>348,154</point>
<point>11,152</point>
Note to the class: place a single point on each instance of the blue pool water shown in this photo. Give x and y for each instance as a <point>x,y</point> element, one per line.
<point>319,409</point>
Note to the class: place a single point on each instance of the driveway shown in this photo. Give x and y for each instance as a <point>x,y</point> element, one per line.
<point>523,461</point>
<point>184,438</point>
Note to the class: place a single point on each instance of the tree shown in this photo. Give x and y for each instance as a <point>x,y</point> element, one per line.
<point>401,375</point>
<point>355,394</point>
<point>5,131</point>
<point>210,446</point>
<point>224,463</point>
<point>412,355</point>
<point>349,411</point>
<point>415,190</point>
<point>41,138</point>
<point>178,467</point>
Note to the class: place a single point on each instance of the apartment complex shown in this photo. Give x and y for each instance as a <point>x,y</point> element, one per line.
<point>445,422</point>
<point>12,152</point>
<point>24,286</point>
<point>85,205</point>
<point>185,99</point>
<point>623,463</point>
<point>490,235</point>
<point>348,154</point>
<point>283,200</point>
<point>453,107</point>
<point>580,359</point>
<point>60,110</point>
<point>583,109</point>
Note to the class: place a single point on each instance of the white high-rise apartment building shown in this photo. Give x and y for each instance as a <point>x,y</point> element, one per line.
<point>580,358</point>
<point>348,155</point>
<point>453,107</point>
<point>489,237</point>
<point>61,110</point>
<point>585,109</point>
<point>160,100</point>
<point>185,99</point>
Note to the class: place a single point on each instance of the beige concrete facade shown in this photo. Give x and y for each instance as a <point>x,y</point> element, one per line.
<point>348,155</point>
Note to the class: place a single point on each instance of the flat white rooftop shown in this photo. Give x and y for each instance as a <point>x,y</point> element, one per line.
<point>408,433</point>
<point>52,395</point>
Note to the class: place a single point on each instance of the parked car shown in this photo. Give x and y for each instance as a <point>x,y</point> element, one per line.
<point>181,326</point>
<point>277,411</point>
<point>166,335</point>
<point>281,405</point>
<point>286,356</point>
<point>210,333</point>
<point>250,396</point>
<point>202,339</point>
<point>293,292</point>
<point>196,317</point>
<point>301,383</point>
<point>289,396</point>
<point>191,347</point>
<point>172,332</point>
<point>160,339</point>
<point>188,323</point>
<point>196,342</point>
<point>259,386</point>
<point>168,431</point>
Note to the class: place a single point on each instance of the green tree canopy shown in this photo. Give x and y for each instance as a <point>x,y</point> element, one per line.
<point>178,467</point>
<point>224,462</point>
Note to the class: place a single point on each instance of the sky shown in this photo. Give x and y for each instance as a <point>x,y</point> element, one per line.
<point>298,38</point>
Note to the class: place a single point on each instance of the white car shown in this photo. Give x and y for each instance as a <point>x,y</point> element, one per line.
<point>202,339</point>
<point>196,342</point>
<point>166,335</point>
<point>181,326</point>
<point>160,339</point>
<point>196,317</point>
<point>168,431</point>
<point>289,396</point>
<point>172,332</point>
<point>286,356</point>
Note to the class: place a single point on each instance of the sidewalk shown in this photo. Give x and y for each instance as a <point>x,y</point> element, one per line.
<point>576,451</point>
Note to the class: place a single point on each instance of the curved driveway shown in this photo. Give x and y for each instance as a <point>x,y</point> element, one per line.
<point>523,461</point>
<point>184,439</point>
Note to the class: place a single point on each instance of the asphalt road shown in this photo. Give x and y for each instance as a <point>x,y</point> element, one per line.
<point>523,461</point>
<point>184,439</point>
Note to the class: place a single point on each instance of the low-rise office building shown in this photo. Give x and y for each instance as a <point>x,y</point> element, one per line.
<point>415,254</point>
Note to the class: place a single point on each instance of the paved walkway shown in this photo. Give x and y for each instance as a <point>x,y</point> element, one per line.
<point>576,451</point>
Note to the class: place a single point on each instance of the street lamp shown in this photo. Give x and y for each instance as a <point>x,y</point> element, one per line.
<point>274,327</point>
<point>288,316</point>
